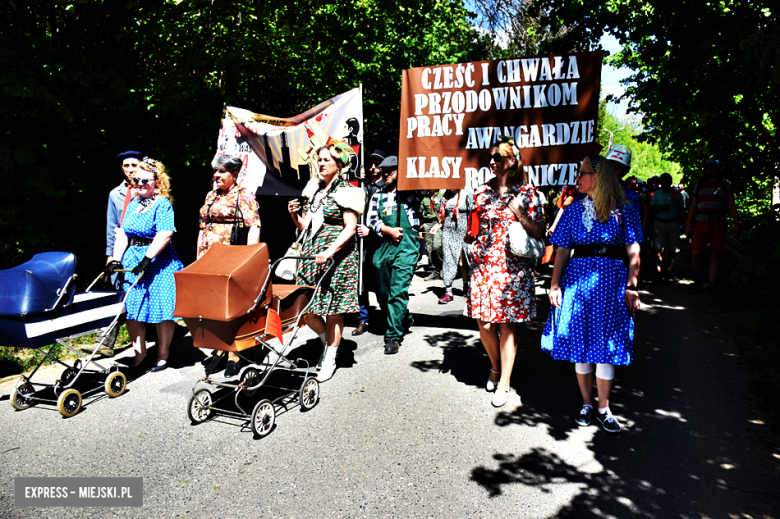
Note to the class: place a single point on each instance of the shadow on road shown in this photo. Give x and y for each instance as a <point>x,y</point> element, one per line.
<point>650,469</point>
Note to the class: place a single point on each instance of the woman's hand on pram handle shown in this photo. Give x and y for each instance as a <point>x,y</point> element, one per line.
<point>142,265</point>
<point>112,266</point>
<point>323,257</point>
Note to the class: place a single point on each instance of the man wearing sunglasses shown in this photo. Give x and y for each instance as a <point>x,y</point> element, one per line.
<point>118,199</point>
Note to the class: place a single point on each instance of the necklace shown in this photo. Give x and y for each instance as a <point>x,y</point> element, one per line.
<point>316,202</point>
<point>146,203</point>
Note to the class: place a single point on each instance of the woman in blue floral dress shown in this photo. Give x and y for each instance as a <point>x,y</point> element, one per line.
<point>144,245</point>
<point>593,290</point>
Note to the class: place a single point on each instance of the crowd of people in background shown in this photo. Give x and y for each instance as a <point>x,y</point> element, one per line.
<point>602,229</point>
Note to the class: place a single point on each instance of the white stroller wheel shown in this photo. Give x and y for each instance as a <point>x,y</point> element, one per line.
<point>309,394</point>
<point>116,383</point>
<point>263,418</point>
<point>20,396</point>
<point>69,403</point>
<point>199,407</point>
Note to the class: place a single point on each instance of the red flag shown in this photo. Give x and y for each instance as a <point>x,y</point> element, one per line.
<point>273,325</point>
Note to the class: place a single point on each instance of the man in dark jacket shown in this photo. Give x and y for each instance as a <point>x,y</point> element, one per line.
<point>371,184</point>
<point>118,199</point>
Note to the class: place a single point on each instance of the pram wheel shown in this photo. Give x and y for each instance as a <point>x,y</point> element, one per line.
<point>309,394</point>
<point>263,418</point>
<point>116,383</point>
<point>66,378</point>
<point>251,378</point>
<point>198,408</point>
<point>19,396</point>
<point>69,403</point>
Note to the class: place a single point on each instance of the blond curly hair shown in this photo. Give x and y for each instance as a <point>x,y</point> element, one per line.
<point>608,193</point>
<point>160,177</point>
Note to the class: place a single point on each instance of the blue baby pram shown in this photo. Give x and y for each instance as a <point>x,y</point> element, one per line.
<point>38,308</point>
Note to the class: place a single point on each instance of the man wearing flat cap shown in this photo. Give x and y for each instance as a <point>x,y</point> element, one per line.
<point>395,217</point>
<point>118,199</point>
<point>372,183</point>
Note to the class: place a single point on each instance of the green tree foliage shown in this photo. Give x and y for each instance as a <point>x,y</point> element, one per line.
<point>85,79</point>
<point>646,158</point>
<point>707,81</point>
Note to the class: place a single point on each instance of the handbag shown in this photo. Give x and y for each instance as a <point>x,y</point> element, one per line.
<point>287,269</point>
<point>523,245</point>
<point>239,235</point>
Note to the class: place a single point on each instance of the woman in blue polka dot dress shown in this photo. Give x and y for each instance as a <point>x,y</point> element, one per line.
<point>144,244</point>
<point>593,294</point>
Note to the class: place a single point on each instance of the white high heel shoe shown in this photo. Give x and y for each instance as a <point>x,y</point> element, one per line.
<point>500,397</point>
<point>491,386</point>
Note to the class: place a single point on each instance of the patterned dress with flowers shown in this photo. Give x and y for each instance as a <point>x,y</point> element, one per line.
<point>502,284</point>
<point>218,214</point>
<point>456,212</point>
<point>339,290</point>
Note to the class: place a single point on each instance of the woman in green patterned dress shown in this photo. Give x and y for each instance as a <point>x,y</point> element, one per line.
<point>329,219</point>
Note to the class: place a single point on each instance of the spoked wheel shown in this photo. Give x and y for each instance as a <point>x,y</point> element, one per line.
<point>251,378</point>
<point>263,418</point>
<point>116,383</point>
<point>309,394</point>
<point>66,378</point>
<point>198,408</point>
<point>20,396</point>
<point>69,403</point>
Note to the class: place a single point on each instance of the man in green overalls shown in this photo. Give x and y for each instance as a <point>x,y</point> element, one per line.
<point>429,210</point>
<point>396,218</point>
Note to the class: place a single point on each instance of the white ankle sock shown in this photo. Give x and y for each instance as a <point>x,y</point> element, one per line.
<point>604,410</point>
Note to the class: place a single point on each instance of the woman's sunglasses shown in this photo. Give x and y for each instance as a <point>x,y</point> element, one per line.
<point>581,173</point>
<point>496,156</point>
<point>141,181</point>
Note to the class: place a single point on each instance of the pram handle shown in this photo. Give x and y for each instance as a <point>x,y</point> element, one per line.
<point>102,274</point>
<point>273,268</point>
<point>62,291</point>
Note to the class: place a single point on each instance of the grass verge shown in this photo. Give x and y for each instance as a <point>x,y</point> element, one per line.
<point>14,361</point>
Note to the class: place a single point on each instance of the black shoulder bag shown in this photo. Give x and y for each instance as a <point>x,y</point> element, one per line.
<point>240,233</point>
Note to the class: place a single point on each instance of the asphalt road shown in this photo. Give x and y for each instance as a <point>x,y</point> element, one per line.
<point>415,435</point>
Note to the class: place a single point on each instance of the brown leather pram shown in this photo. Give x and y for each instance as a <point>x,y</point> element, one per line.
<point>228,302</point>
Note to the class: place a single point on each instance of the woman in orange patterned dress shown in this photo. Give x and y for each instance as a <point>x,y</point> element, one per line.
<point>228,205</point>
<point>502,285</point>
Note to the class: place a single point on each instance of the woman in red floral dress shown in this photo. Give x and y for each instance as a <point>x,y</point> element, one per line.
<point>502,285</point>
